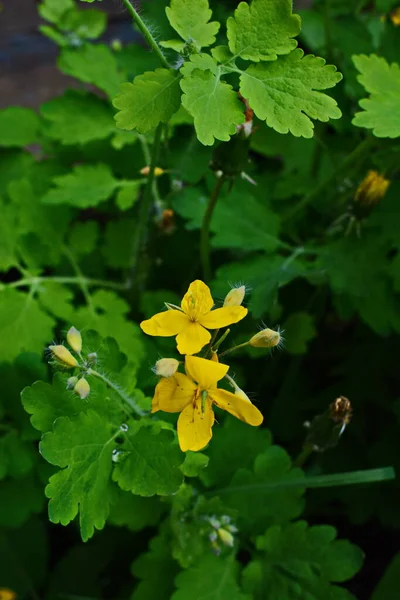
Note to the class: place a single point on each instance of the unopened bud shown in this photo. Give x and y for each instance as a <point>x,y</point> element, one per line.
<point>71,383</point>
<point>92,358</point>
<point>166,367</point>
<point>82,388</point>
<point>63,356</point>
<point>116,45</point>
<point>74,339</point>
<point>267,338</point>
<point>235,297</point>
<point>226,537</point>
<point>395,17</point>
<point>157,171</point>
<point>372,189</point>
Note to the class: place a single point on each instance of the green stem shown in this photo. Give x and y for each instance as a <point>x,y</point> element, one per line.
<point>234,348</point>
<point>32,281</point>
<point>205,229</point>
<point>127,399</point>
<point>303,456</point>
<point>217,344</point>
<point>357,154</point>
<point>79,274</point>
<point>146,33</point>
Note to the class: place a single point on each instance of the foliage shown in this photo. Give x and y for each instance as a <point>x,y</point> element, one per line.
<point>229,151</point>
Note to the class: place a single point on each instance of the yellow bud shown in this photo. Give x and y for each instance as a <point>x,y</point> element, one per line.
<point>372,189</point>
<point>71,382</point>
<point>166,367</point>
<point>395,17</point>
<point>267,338</point>
<point>235,297</point>
<point>157,171</point>
<point>7,594</point>
<point>82,388</point>
<point>226,537</point>
<point>74,339</point>
<point>63,356</point>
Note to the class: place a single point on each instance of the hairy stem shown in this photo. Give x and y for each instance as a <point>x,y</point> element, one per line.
<point>145,32</point>
<point>233,349</point>
<point>205,229</point>
<point>127,399</point>
<point>356,155</point>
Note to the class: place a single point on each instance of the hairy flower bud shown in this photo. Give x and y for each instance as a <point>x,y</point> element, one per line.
<point>92,358</point>
<point>372,189</point>
<point>226,537</point>
<point>166,367</point>
<point>74,339</point>
<point>63,356</point>
<point>235,297</point>
<point>71,383</point>
<point>82,388</point>
<point>267,338</point>
<point>157,171</point>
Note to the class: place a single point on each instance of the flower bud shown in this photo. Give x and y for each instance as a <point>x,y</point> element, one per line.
<point>63,356</point>
<point>395,17</point>
<point>235,297</point>
<point>157,171</point>
<point>267,338</point>
<point>82,388</point>
<point>372,189</point>
<point>226,537</point>
<point>74,339</point>
<point>71,383</point>
<point>166,367</point>
<point>92,358</point>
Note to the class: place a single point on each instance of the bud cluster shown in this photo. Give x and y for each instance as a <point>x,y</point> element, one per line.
<point>222,533</point>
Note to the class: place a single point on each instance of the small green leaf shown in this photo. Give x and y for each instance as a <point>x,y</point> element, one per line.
<point>152,98</point>
<point>54,10</point>
<point>82,447</point>
<point>382,109</point>
<point>135,512</point>
<point>194,463</point>
<point>18,127</point>
<point>78,118</point>
<point>213,578</point>
<point>128,194</point>
<point>94,64</point>
<point>176,45</point>
<point>283,93</point>
<point>149,462</point>
<point>190,18</point>
<point>214,105</point>
<point>87,185</point>
<point>86,24</point>
<point>263,30</point>
<point>301,561</point>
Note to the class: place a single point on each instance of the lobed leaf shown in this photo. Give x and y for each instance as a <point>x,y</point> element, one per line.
<point>18,127</point>
<point>190,18</point>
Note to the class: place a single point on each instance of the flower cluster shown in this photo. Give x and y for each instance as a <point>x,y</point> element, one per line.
<point>64,359</point>
<point>194,393</point>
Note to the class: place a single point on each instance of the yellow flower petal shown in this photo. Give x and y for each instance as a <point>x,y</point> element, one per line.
<point>194,426</point>
<point>165,323</point>
<point>206,372</point>
<point>238,407</point>
<point>198,300</point>
<point>221,317</point>
<point>173,394</point>
<point>192,338</point>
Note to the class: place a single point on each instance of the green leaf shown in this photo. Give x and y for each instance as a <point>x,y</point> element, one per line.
<point>213,578</point>
<point>18,127</point>
<point>157,560</point>
<point>135,512</point>
<point>283,93</point>
<point>24,327</point>
<point>86,24</point>
<point>83,237</point>
<point>270,505</point>
<point>388,586</point>
<point>213,104</point>
<point>82,447</point>
<point>94,64</point>
<point>381,110</point>
<point>78,118</point>
<point>299,330</point>
<point>152,98</point>
<point>150,461</point>
<point>300,561</point>
<point>194,463</point>
<point>53,10</point>
<point>263,30</point>
<point>190,18</point>
<point>128,194</point>
<point>86,185</point>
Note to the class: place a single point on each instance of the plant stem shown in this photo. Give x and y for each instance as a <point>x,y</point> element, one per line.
<point>233,349</point>
<point>205,229</point>
<point>146,33</point>
<point>79,274</point>
<point>32,281</point>
<point>303,456</point>
<point>118,391</point>
<point>358,153</point>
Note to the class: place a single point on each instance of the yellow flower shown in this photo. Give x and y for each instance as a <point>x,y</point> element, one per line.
<point>372,189</point>
<point>190,323</point>
<point>193,395</point>
<point>7,594</point>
